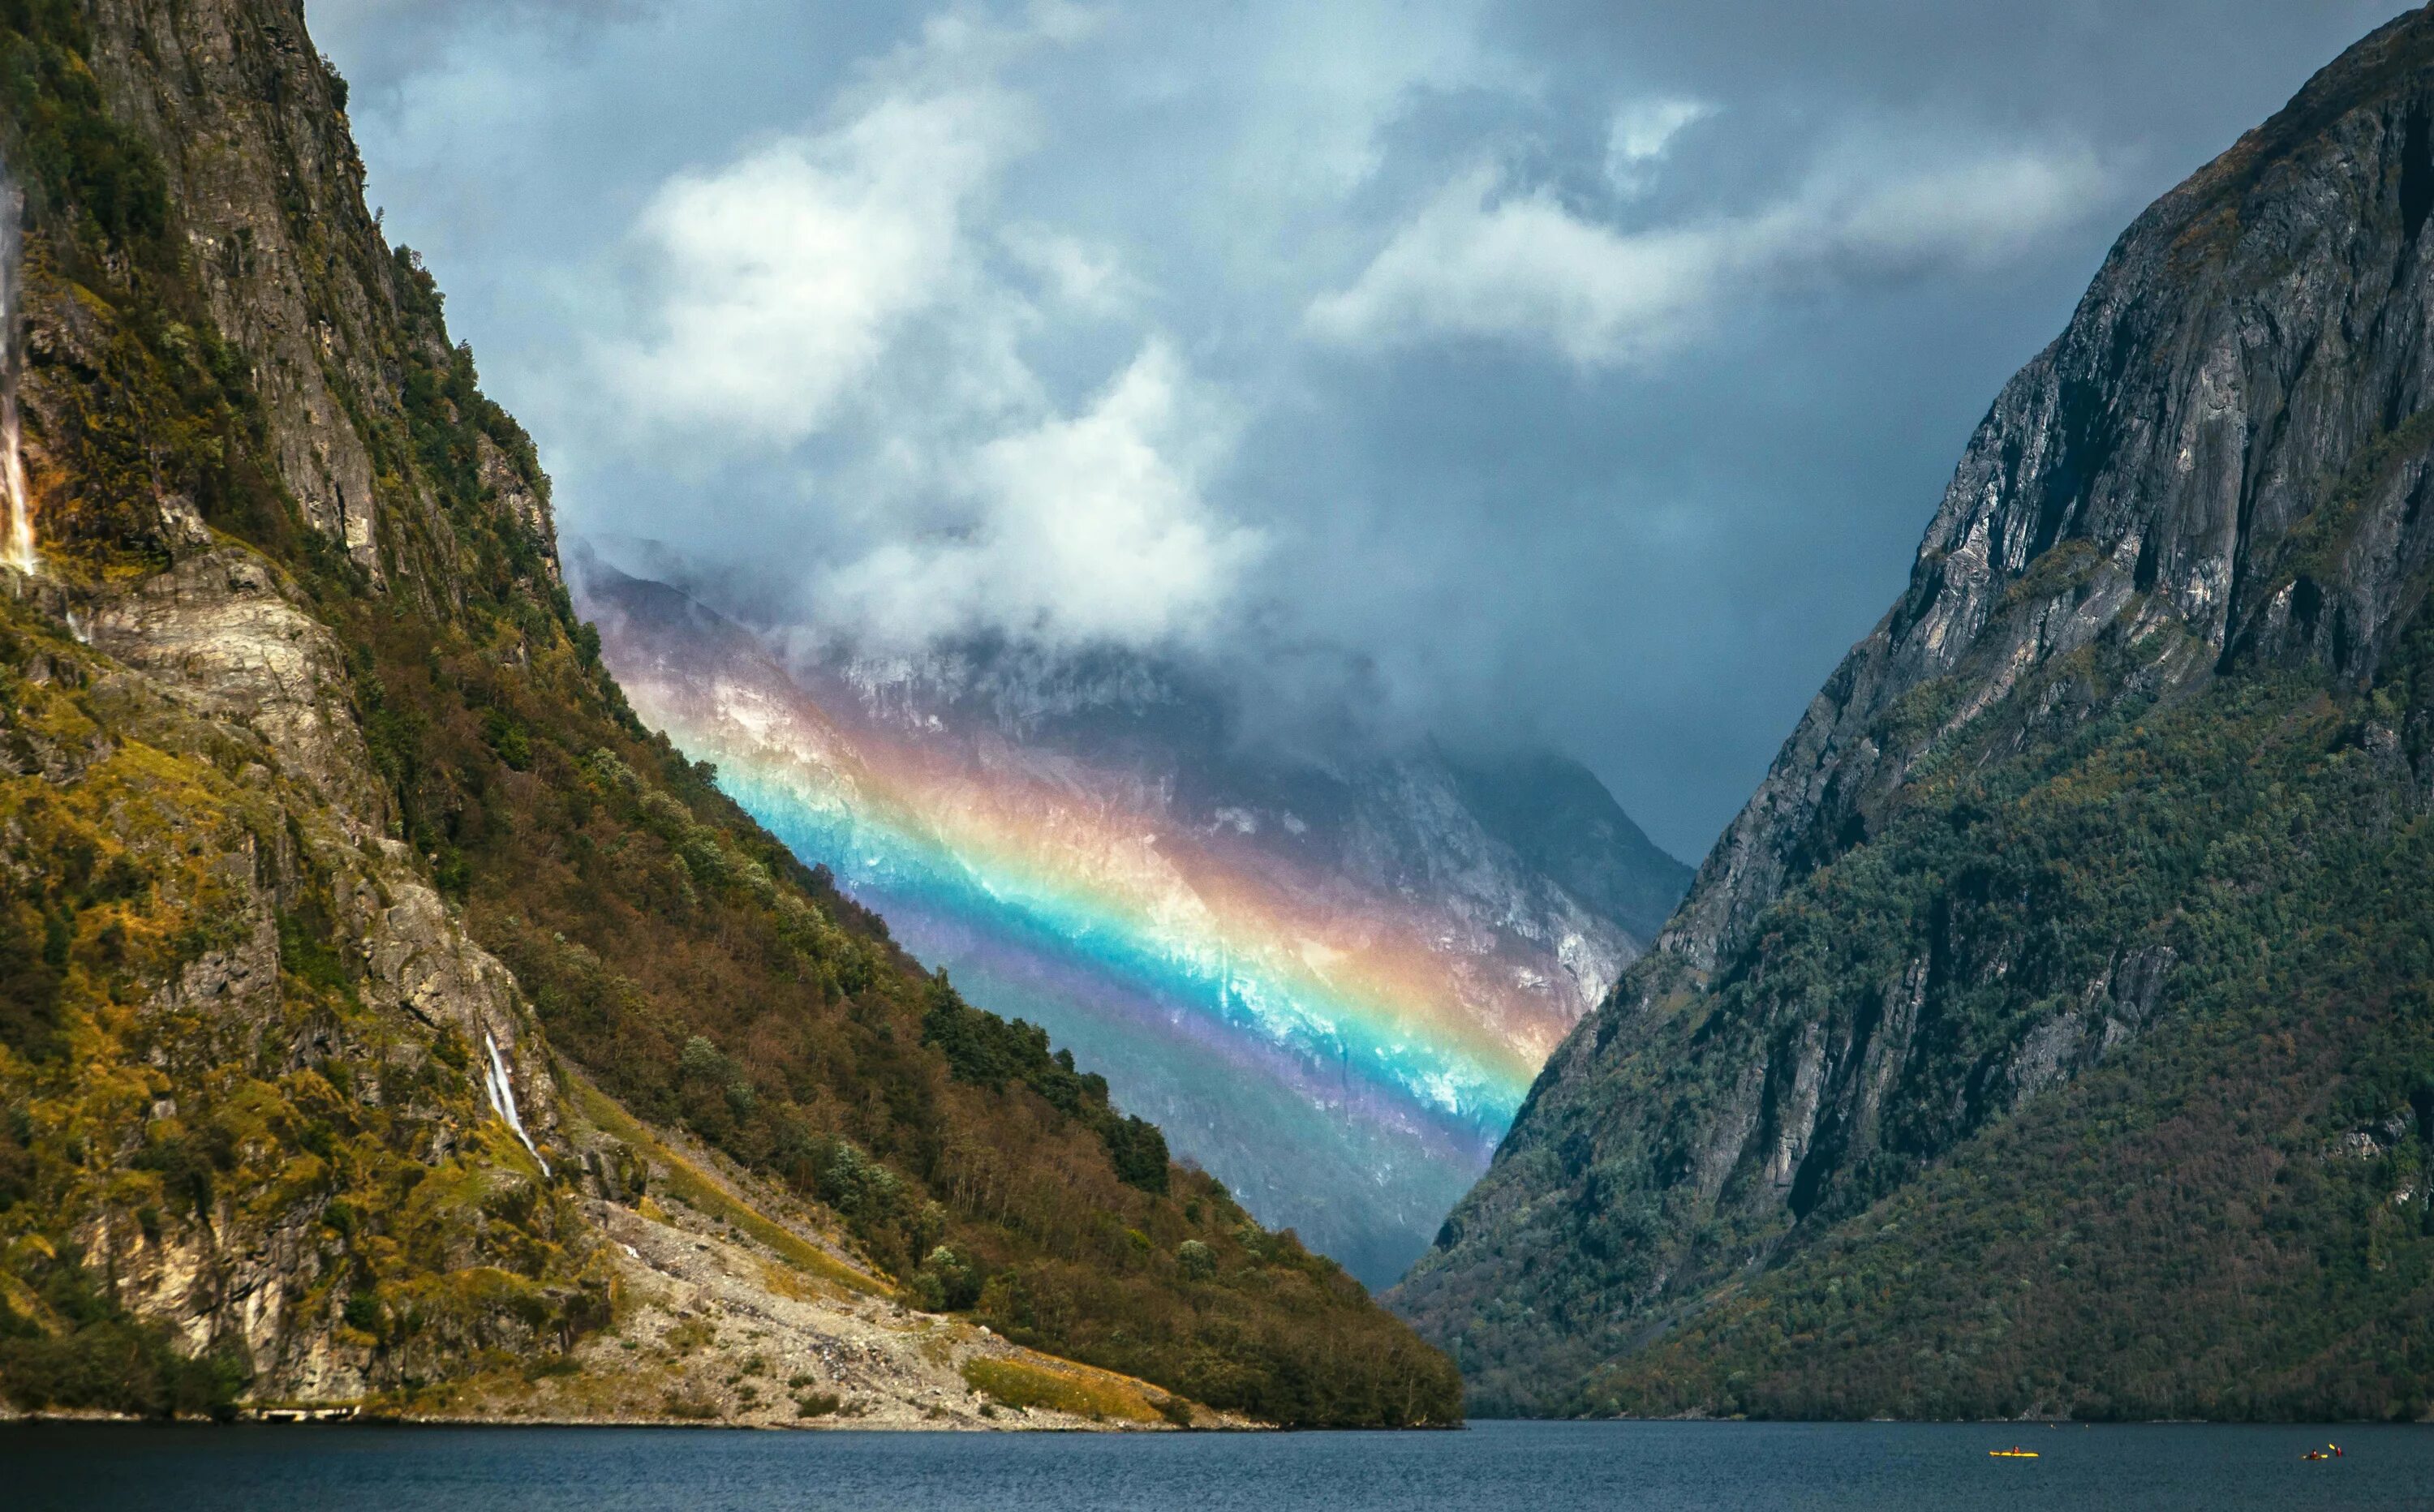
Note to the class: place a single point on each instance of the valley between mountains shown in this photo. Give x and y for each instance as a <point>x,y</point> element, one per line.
<point>441,981</point>
<point>1328,981</point>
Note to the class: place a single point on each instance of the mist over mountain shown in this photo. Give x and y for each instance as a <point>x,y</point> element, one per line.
<point>1329,979</point>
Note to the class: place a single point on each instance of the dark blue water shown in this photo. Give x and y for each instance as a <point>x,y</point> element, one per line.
<point>1525,1467</point>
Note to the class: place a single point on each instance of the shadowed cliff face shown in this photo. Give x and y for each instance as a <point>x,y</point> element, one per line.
<point>2253,335</point>
<point>1328,982</point>
<point>2183,565</point>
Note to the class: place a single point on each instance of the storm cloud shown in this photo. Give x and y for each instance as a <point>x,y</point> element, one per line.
<point>1524,370</point>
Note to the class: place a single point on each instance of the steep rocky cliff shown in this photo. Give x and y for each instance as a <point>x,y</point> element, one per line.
<point>2051,1031</point>
<point>1329,980</point>
<point>324,837</point>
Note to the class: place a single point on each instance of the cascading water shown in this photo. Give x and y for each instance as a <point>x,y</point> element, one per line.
<point>503,1096</point>
<point>17,544</point>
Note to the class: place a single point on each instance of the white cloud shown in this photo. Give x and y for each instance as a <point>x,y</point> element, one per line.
<point>1469,264</point>
<point>847,307</point>
<point>1970,216</point>
<point>1481,260</point>
<point>1639,136</point>
<point>1086,528</point>
<point>1087,277</point>
<point>781,277</point>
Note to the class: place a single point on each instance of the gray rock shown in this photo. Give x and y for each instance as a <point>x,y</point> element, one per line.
<point>2222,464</point>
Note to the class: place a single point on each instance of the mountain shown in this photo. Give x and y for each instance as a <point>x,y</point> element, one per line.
<point>1329,980</point>
<point>386,1018</point>
<point>2053,1033</point>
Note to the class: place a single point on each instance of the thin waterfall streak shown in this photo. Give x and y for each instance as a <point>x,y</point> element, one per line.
<point>502,1097</point>
<point>17,547</point>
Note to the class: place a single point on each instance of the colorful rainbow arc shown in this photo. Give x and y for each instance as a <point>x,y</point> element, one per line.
<point>1226,948</point>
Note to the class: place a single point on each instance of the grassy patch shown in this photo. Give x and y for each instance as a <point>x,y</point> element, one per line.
<point>1061,1388</point>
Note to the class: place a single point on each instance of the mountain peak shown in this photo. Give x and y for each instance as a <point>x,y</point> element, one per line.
<point>2181,568</point>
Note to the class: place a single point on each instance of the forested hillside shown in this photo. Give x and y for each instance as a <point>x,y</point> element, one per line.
<point>326,835</point>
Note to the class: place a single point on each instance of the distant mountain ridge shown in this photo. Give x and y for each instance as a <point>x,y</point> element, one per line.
<point>2054,1031</point>
<point>1330,982</point>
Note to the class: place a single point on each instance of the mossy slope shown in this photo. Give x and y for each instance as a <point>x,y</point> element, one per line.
<point>315,791</point>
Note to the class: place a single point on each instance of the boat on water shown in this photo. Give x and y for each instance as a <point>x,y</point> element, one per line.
<point>2015,1451</point>
<point>2328,1452</point>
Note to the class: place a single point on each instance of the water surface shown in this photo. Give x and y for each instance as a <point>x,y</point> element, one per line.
<point>1526,1467</point>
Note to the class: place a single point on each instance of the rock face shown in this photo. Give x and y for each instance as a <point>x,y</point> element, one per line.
<point>2001,853</point>
<point>257,158</point>
<point>324,835</point>
<point>226,773</point>
<point>2250,338</point>
<point>1327,981</point>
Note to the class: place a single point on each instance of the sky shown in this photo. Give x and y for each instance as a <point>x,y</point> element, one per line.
<point>1554,372</point>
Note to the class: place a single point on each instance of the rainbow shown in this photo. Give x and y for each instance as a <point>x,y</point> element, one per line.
<point>1309,1043</point>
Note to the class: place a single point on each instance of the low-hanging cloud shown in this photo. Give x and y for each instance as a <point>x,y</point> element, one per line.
<point>1080,530</point>
<point>840,300</point>
<point>1640,135</point>
<point>1484,258</point>
<point>778,281</point>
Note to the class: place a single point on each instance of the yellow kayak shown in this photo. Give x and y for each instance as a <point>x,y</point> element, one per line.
<point>2015,1451</point>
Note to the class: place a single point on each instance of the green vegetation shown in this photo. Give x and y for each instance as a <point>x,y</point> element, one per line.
<point>2190,1229</point>
<point>1084,1393</point>
<point>987,1051</point>
<point>163,402</point>
<point>163,1118</point>
<point>709,980</point>
<point>66,144</point>
<point>74,1348</point>
<point>2228,1214</point>
<point>690,1185</point>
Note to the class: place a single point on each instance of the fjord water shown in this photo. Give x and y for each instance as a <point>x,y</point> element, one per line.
<point>1531,1466</point>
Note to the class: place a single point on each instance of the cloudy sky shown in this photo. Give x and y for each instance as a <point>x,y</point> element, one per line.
<point>1558,370</point>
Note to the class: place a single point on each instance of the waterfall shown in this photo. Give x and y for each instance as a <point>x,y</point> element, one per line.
<point>17,545</point>
<point>503,1096</point>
